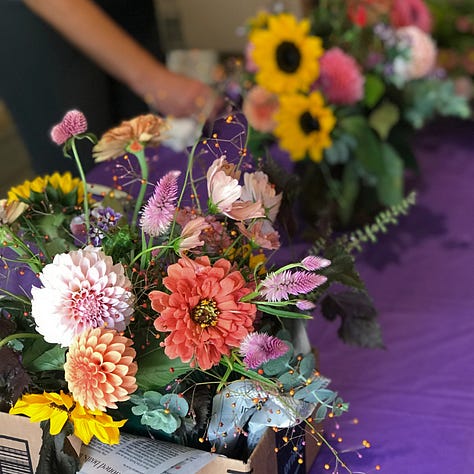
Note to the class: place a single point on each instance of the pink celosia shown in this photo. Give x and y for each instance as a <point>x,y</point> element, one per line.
<point>73,123</point>
<point>305,305</point>
<point>160,208</point>
<point>279,286</point>
<point>203,313</point>
<point>81,289</point>
<point>340,80</point>
<point>224,194</point>
<point>100,369</point>
<point>258,348</point>
<point>422,54</point>
<point>259,108</point>
<point>312,262</point>
<point>411,13</point>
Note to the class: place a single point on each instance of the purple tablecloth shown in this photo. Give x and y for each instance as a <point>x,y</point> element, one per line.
<point>414,401</point>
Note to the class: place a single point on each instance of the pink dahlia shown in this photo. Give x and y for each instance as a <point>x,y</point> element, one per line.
<point>81,289</point>
<point>73,123</point>
<point>422,53</point>
<point>411,13</point>
<point>100,368</point>
<point>203,313</point>
<point>258,348</point>
<point>340,78</point>
<point>259,108</point>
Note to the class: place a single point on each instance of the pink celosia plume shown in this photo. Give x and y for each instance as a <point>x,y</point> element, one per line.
<point>312,262</point>
<point>258,348</point>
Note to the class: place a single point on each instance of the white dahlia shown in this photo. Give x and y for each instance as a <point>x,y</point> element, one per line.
<point>81,289</point>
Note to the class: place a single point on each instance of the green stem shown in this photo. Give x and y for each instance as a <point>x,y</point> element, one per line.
<point>144,183</point>
<point>84,186</point>
<point>20,335</point>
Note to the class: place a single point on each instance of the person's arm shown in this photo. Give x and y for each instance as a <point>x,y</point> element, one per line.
<point>87,27</point>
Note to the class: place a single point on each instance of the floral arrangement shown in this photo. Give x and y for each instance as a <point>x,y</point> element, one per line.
<point>341,92</point>
<point>162,311</point>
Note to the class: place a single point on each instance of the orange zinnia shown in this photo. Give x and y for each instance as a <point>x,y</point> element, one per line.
<point>203,313</point>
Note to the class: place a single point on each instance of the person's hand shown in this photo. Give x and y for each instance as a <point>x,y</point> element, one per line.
<point>181,96</point>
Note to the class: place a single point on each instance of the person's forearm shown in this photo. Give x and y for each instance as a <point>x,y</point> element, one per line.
<point>87,27</point>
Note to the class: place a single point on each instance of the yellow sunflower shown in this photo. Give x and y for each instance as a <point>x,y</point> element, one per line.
<point>60,408</point>
<point>285,54</point>
<point>304,125</point>
<point>62,182</point>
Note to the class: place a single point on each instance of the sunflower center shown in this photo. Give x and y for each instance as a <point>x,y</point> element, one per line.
<point>288,56</point>
<point>309,124</point>
<point>205,313</point>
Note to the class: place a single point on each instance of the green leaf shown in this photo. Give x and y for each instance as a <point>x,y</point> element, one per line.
<point>349,191</point>
<point>289,380</point>
<point>156,370</point>
<point>53,359</point>
<point>308,365</point>
<point>281,313</point>
<point>374,90</point>
<point>390,184</point>
<point>33,349</point>
<point>383,118</point>
<point>176,404</point>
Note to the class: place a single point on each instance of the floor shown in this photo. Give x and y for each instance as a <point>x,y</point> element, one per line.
<point>13,155</point>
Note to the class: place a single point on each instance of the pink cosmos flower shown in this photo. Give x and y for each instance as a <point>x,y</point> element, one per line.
<point>202,313</point>
<point>73,123</point>
<point>81,289</point>
<point>411,13</point>
<point>224,194</point>
<point>160,208</point>
<point>340,80</point>
<point>261,233</point>
<point>100,368</point>
<point>422,56</point>
<point>191,234</point>
<point>259,108</point>
<point>258,348</point>
<point>279,286</point>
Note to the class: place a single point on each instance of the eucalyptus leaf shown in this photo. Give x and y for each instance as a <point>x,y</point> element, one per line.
<point>280,364</point>
<point>308,365</point>
<point>289,380</point>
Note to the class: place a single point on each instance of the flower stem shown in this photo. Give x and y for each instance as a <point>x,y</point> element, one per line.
<point>144,182</point>
<point>84,185</point>
<point>20,335</point>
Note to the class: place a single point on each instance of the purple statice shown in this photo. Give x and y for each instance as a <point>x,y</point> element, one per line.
<point>312,262</point>
<point>160,208</point>
<point>258,348</point>
<point>278,286</point>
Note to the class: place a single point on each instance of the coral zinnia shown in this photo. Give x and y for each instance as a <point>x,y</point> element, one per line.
<point>130,135</point>
<point>285,54</point>
<point>340,80</point>
<point>304,125</point>
<point>203,313</point>
<point>411,13</point>
<point>81,289</point>
<point>99,368</point>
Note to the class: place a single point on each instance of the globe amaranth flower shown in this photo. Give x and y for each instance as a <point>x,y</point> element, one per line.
<point>259,107</point>
<point>59,408</point>
<point>131,135</point>
<point>285,54</point>
<point>340,80</point>
<point>160,208</point>
<point>421,57</point>
<point>304,125</point>
<point>73,123</point>
<point>411,13</point>
<point>203,313</point>
<point>100,368</point>
<point>258,348</point>
<point>81,289</point>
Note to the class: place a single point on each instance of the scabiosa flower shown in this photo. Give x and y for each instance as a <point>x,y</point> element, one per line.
<point>279,286</point>
<point>101,220</point>
<point>81,289</point>
<point>160,208</point>
<point>340,80</point>
<point>411,13</point>
<point>203,313</point>
<point>73,123</point>
<point>258,348</point>
<point>312,262</point>
<point>99,368</point>
<point>259,107</point>
<point>130,135</point>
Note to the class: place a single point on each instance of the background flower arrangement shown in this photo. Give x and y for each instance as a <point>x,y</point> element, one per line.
<point>341,92</point>
<point>162,309</point>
